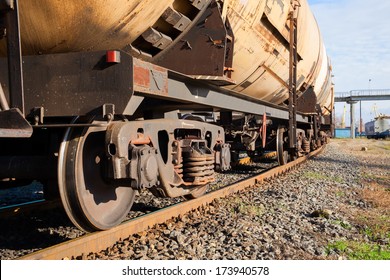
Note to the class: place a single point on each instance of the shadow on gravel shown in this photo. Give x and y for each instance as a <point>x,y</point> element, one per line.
<point>142,207</point>
<point>31,232</point>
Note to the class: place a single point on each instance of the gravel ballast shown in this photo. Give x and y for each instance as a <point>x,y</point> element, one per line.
<point>295,216</point>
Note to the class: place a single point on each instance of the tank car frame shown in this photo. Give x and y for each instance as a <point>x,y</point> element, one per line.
<point>98,127</point>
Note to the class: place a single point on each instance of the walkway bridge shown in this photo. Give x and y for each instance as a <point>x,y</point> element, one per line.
<point>362,95</point>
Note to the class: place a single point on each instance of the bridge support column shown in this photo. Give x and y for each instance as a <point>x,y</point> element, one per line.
<point>353,128</point>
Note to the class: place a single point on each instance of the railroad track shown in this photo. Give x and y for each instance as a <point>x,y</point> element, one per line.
<point>98,241</point>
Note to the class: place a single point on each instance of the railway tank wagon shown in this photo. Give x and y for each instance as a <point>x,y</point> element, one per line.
<point>162,32</point>
<point>102,99</point>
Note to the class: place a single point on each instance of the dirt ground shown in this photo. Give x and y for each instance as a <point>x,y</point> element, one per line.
<point>374,156</point>
<point>374,221</point>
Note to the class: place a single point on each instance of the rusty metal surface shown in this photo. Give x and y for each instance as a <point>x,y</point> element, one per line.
<point>202,49</point>
<point>73,83</point>
<point>261,56</point>
<point>150,78</point>
<point>73,25</point>
<point>96,242</point>
<point>89,199</point>
<point>184,89</point>
<point>198,162</point>
<point>293,65</point>
<point>175,155</point>
<point>307,102</point>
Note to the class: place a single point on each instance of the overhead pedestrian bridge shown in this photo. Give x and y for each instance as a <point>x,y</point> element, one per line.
<point>362,95</point>
<point>354,96</point>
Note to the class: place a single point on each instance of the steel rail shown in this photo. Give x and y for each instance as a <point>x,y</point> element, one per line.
<point>98,241</point>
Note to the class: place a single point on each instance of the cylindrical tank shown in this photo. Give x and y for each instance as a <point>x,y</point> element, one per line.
<point>260,28</point>
<point>261,58</point>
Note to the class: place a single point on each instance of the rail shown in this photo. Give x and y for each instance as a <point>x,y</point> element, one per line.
<point>96,242</point>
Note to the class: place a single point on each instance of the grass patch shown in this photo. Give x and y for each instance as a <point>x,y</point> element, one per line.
<point>376,233</point>
<point>368,176</point>
<point>359,251</point>
<point>241,207</point>
<point>252,210</point>
<point>377,195</point>
<point>340,193</point>
<point>343,224</point>
<point>374,177</point>
<point>315,175</point>
<point>371,220</point>
<point>385,146</point>
<point>319,176</point>
<point>374,222</point>
<point>375,227</point>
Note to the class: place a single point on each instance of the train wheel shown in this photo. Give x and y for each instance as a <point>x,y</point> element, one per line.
<point>280,150</point>
<point>91,202</point>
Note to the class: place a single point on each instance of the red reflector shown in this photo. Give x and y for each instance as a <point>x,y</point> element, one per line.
<point>113,57</point>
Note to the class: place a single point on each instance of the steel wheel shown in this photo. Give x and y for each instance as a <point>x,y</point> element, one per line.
<point>91,202</point>
<point>280,150</point>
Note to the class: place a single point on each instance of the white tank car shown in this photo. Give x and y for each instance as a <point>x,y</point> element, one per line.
<point>260,27</point>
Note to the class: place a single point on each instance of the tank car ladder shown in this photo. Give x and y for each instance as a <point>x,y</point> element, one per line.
<point>12,121</point>
<point>292,131</point>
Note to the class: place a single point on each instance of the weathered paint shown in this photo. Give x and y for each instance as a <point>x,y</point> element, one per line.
<point>150,78</point>
<point>54,26</point>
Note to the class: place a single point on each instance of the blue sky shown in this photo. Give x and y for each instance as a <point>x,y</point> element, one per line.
<point>357,38</point>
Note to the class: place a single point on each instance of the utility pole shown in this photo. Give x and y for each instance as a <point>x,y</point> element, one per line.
<point>343,117</point>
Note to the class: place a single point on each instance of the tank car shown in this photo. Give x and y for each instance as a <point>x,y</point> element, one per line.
<point>102,99</point>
